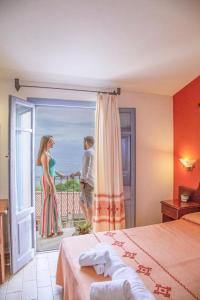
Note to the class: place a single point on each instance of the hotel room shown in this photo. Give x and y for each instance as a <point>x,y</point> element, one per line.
<point>128,74</point>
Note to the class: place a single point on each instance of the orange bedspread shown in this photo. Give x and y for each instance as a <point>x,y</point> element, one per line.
<point>166,256</point>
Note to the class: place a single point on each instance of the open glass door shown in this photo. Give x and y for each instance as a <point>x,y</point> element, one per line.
<point>21,183</point>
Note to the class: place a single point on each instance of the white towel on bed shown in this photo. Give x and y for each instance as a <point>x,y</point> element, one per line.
<point>138,290</point>
<point>110,290</point>
<point>96,256</point>
<point>99,269</point>
<point>103,258</point>
<point>93,257</point>
<point>113,264</point>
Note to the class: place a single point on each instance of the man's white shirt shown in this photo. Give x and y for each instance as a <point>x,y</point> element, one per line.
<point>87,174</point>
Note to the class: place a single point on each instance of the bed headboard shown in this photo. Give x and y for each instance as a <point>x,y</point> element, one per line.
<point>194,193</point>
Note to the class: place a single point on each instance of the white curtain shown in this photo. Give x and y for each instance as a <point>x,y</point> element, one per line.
<point>109,198</point>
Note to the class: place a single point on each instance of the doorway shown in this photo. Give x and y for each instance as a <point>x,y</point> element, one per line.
<point>68,124</point>
<point>24,179</point>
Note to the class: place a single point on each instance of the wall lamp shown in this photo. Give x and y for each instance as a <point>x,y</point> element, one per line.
<point>189,164</point>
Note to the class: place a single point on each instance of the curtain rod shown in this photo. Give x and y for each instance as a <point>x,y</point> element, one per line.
<point>18,86</point>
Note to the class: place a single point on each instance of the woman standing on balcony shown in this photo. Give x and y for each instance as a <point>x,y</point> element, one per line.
<point>50,219</point>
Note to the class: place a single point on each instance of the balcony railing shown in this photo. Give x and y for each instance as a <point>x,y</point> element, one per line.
<point>68,196</point>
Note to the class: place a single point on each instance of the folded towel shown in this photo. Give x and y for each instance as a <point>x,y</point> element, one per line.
<point>138,290</point>
<point>103,258</point>
<point>99,269</point>
<point>93,257</point>
<point>113,264</point>
<point>125,273</point>
<point>110,290</point>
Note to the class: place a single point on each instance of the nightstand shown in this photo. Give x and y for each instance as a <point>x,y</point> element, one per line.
<point>175,209</point>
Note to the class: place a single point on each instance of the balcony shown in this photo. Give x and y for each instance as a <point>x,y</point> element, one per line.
<point>68,195</point>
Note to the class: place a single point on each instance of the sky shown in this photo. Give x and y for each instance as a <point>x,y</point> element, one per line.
<point>68,126</point>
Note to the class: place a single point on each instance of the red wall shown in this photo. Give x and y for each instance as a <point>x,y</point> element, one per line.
<point>187,134</point>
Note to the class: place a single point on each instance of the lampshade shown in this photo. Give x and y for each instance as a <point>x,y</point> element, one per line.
<point>187,163</point>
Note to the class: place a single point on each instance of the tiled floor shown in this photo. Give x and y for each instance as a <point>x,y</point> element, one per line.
<point>36,281</point>
<point>53,243</point>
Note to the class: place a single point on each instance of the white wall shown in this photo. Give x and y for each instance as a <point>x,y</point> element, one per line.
<point>154,153</point>
<point>154,144</point>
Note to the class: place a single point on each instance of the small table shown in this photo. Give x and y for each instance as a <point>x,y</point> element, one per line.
<point>175,209</point>
<point>3,211</point>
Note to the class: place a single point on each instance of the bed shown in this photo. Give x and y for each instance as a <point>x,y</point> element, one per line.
<point>166,256</point>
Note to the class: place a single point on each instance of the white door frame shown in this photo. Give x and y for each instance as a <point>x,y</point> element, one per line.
<point>22,222</point>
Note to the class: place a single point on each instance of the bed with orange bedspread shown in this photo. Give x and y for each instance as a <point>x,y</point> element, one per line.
<point>166,256</point>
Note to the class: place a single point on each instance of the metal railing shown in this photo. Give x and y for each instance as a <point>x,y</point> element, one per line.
<point>68,197</point>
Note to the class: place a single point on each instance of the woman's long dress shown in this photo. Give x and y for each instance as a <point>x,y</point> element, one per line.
<point>50,217</point>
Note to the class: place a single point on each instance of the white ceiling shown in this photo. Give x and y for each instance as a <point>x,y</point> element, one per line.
<point>143,45</point>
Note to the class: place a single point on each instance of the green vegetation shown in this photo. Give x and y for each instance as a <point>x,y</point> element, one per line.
<point>38,188</point>
<point>66,186</point>
<point>83,227</point>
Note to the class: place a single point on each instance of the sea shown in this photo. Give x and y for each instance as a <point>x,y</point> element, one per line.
<point>68,127</point>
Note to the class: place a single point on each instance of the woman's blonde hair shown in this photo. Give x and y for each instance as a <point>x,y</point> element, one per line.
<point>43,146</point>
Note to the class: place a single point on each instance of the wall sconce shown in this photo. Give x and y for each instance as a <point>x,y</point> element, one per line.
<point>189,164</point>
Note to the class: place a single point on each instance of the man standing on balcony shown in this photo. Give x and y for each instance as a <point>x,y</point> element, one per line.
<point>87,178</point>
